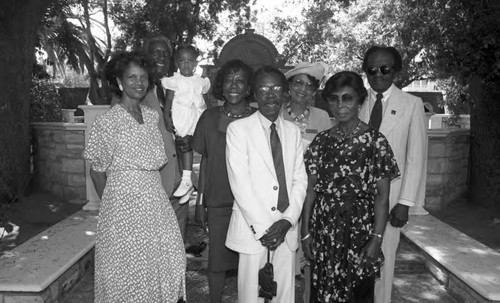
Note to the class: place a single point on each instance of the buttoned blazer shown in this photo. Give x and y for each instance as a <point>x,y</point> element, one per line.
<point>403,124</point>
<point>253,181</point>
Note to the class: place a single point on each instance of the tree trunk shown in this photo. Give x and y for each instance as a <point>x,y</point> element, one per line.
<point>19,20</point>
<point>485,145</point>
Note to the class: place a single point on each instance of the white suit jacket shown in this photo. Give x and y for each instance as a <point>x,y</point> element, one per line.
<point>254,184</point>
<point>403,124</point>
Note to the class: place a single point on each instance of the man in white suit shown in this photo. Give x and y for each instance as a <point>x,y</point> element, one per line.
<point>268,179</point>
<point>400,117</point>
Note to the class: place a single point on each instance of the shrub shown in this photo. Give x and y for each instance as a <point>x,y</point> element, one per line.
<point>45,103</point>
<point>456,100</point>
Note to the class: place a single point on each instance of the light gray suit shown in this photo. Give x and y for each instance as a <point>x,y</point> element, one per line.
<point>403,124</point>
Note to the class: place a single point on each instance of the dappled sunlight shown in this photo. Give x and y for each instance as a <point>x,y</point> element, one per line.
<point>429,296</point>
<point>480,251</point>
<point>436,253</point>
<point>422,227</point>
<point>482,277</point>
<point>400,282</point>
<point>409,256</point>
<point>9,254</point>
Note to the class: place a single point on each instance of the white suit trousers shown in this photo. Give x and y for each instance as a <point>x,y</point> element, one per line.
<point>283,260</point>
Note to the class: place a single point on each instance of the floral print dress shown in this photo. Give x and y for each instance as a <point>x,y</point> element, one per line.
<point>139,252</point>
<point>347,171</point>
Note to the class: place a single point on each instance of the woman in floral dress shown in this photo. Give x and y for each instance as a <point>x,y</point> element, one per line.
<point>139,250</point>
<point>346,209</point>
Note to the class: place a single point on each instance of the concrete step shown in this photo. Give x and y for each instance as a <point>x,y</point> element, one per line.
<point>467,268</point>
<point>419,288</point>
<point>408,260</point>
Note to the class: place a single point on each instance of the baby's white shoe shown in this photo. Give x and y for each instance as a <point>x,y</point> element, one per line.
<point>184,199</point>
<point>183,188</point>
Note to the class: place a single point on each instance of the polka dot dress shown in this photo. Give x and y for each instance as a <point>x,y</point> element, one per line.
<point>139,250</point>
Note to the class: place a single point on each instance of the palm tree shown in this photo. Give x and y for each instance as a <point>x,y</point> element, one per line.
<point>66,35</point>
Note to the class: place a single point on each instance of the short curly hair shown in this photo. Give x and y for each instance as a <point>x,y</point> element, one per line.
<point>268,69</point>
<point>231,66</point>
<point>398,61</point>
<point>116,67</point>
<point>345,79</point>
<point>186,48</point>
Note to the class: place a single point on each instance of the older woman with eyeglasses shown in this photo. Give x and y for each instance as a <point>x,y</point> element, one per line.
<point>303,82</point>
<point>346,209</point>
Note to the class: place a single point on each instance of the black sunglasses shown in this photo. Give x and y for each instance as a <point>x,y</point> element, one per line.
<point>384,69</point>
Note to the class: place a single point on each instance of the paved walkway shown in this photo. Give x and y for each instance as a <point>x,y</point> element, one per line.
<point>412,283</point>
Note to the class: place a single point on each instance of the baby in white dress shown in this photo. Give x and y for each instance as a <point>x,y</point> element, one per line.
<point>187,106</point>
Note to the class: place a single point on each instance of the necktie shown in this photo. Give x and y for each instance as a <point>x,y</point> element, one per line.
<point>160,94</point>
<point>376,116</point>
<point>280,169</point>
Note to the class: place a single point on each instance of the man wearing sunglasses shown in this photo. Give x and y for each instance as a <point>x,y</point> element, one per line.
<point>400,117</point>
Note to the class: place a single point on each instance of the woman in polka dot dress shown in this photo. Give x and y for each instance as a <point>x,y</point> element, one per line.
<point>139,250</point>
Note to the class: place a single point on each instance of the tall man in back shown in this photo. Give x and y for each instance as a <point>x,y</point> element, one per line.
<point>268,179</point>
<point>400,117</point>
<point>160,51</point>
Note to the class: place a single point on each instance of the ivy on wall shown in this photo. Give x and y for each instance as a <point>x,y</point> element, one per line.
<point>46,103</point>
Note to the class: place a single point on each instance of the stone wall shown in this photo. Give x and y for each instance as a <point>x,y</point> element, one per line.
<point>447,167</point>
<point>58,163</point>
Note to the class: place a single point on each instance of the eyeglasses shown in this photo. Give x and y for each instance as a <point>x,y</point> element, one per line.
<point>270,89</point>
<point>345,98</point>
<point>306,85</point>
<point>384,69</point>
<point>300,83</point>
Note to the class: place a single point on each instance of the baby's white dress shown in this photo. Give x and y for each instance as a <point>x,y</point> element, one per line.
<point>188,103</point>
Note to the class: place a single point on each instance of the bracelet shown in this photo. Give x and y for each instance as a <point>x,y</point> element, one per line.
<point>305,237</point>
<point>376,235</point>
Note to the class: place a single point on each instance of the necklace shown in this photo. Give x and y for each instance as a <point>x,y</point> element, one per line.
<point>343,135</point>
<point>299,118</point>
<point>228,112</point>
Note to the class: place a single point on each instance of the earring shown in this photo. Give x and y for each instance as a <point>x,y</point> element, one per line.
<point>120,86</point>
